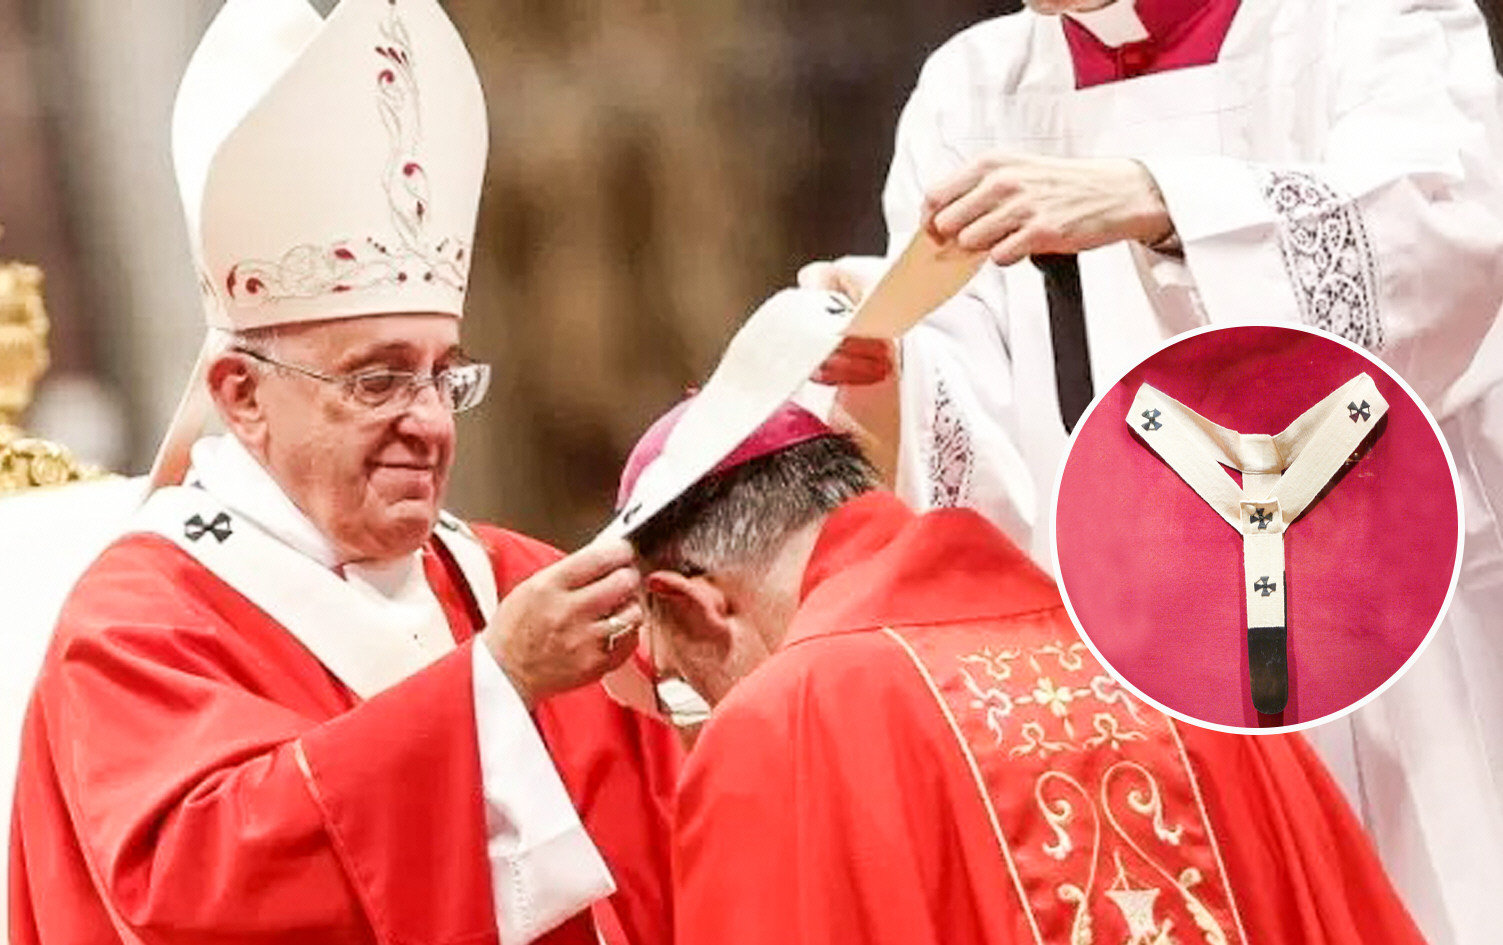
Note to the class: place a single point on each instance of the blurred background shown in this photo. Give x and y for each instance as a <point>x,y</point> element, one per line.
<point>657,168</point>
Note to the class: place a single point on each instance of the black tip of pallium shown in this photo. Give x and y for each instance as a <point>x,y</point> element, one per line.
<point>1268,668</point>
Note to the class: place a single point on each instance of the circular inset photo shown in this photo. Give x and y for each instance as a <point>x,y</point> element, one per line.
<point>1258,527</point>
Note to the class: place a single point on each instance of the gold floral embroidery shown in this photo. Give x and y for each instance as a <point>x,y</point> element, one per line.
<point>1137,907</point>
<point>1036,740</point>
<point>1127,791</point>
<point>998,663</point>
<point>1058,810</point>
<point>1056,698</point>
<point>1146,801</point>
<point>1124,793</point>
<point>1031,700</point>
<point>1110,733</point>
<point>1069,659</point>
<point>1075,817</point>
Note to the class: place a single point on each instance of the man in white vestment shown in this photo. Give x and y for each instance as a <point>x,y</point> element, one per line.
<point>1140,167</point>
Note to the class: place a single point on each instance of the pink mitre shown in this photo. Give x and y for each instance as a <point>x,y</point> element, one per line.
<point>789,426</point>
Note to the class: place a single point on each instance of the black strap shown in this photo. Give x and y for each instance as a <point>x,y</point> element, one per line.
<point>1067,332</point>
<point>1268,668</point>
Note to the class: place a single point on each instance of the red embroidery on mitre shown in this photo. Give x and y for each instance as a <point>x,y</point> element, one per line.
<point>309,270</point>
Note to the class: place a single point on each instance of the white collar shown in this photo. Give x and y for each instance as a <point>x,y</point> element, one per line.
<point>1115,24</point>
<point>224,468</point>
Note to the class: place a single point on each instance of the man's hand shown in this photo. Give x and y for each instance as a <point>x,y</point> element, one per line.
<point>858,361</point>
<point>1013,206</point>
<point>570,623</point>
<point>864,369</point>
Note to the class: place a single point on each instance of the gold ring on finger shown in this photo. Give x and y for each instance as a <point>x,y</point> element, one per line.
<point>620,627</point>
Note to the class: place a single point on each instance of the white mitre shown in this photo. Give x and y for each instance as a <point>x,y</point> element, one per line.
<point>329,168</point>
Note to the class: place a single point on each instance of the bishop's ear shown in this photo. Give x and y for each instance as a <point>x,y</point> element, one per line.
<point>693,608</point>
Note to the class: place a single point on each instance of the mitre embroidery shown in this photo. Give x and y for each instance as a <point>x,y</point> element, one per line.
<point>310,270</point>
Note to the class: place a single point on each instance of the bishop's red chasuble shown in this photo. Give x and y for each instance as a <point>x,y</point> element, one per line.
<point>933,756</point>
<point>190,773</point>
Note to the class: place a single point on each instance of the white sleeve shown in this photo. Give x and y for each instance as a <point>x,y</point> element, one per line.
<point>544,868</point>
<point>958,440</point>
<point>1393,237</point>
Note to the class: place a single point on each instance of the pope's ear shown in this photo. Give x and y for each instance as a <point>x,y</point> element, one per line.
<point>694,607</point>
<point>234,383</point>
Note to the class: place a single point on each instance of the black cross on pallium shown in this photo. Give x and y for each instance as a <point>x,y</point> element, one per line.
<point>1152,416</point>
<point>195,528</point>
<point>1264,586</point>
<point>1363,412</point>
<point>1261,518</point>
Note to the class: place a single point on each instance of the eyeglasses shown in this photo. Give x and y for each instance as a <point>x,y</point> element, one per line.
<point>459,387</point>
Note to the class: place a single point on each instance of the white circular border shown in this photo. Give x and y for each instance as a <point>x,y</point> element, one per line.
<point>1276,729</point>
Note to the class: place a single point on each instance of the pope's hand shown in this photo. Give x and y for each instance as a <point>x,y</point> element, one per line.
<point>568,624</point>
<point>858,361</point>
<point>1013,206</point>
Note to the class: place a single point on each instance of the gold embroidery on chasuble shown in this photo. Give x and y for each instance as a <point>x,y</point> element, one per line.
<point>1091,796</point>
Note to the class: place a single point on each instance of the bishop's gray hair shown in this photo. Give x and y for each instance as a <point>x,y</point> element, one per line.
<point>738,519</point>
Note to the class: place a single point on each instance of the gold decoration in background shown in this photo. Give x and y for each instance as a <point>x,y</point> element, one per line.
<point>27,462</point>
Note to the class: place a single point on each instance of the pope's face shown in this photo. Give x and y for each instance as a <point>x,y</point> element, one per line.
<point>1055,7</point>
<point>371,478</point>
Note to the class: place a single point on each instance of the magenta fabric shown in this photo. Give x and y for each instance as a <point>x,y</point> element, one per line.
<point>1181,34</point>
<point>1155,575</point>
<point>789,426</point>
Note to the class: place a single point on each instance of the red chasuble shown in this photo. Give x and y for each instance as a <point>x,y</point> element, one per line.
<point>190,768</point>
<point>934,757</point>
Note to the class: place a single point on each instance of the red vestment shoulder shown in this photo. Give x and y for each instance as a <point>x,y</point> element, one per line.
<point>934,757</point>
<point>189,771</point>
